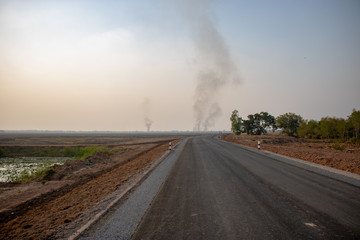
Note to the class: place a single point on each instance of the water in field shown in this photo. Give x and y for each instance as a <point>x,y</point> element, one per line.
<point>12,169</point>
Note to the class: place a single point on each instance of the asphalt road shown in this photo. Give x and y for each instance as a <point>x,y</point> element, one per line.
<point>217,190</point>
<point>121,220</point>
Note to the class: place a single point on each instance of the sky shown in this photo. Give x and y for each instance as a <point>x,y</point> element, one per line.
<point>168,65</point>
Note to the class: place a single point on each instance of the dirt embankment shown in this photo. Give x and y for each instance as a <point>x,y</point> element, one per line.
<point>36,210</point>
<point>337,155</point>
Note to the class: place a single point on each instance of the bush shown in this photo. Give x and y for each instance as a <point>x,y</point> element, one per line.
<point>352,140</point>
<point>88,151</point>
<point>48,173</point>
<point>84,152</point>
<point>2,153</point>
<point>27,176</point>
<point>338,147</point>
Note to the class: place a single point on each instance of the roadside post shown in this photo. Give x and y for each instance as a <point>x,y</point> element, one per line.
<point>259,145</point>
<point>170,146</point>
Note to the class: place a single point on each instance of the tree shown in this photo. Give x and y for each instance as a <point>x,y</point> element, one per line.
<point>258,126</point>
<point>331,128</point>
<point>252,125</point>
<point>341,128</point>
<point>268,121</point>
<point>309,129</point>
<point>248,125</point>
<point>289,122</point>
<point>327,127</point>
<point>236,123</point>
<point>258,123</point>
<point>354,120</point>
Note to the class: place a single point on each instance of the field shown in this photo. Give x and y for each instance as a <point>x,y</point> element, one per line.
<point>88,167</point>
<point>338,155</point>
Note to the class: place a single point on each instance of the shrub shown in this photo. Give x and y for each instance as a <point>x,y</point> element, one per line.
<point>338,147</point>
<point>84,152</point>
<point>48,173</point>
<point>2,153</point>
<point>88,151</point>
<point>27,176</point>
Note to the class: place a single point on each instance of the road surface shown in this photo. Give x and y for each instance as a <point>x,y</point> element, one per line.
<point>217,190</point>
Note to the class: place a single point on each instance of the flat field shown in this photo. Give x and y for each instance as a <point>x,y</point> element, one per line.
<point>42,206</point>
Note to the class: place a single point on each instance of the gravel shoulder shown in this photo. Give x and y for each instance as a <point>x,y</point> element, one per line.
<point>124,217</point>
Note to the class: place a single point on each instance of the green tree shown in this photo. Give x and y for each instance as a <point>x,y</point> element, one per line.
<point>314,131</point>
<point>236,123</point>
<point>309,129</point>
<point>354,120</point>
<point>289,122</point>
<point>258,123</point>
<point>249,125</point>
<point>252,125</point>
<point>327,127</point>
<point>268,121</point>
<point>341,128</point>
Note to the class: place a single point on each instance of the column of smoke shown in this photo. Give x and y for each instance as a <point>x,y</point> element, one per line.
<point>215,66</point>
<point>148,122</point>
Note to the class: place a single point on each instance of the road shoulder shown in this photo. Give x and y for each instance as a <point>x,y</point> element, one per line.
<point>128,206</point>
<point>340,175</point>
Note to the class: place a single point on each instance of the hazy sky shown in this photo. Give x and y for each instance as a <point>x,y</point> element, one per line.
<point>116,65</point>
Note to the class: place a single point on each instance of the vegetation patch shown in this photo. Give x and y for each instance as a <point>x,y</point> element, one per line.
<point>329,128</point>
<point>24,164</point>
<point>79,152</point>
<point>26,169</point>
<point>48,173</point>
<point>338,147</point>
<point>84,152</point>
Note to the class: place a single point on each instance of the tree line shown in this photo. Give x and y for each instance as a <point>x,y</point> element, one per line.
<point>294,125</point>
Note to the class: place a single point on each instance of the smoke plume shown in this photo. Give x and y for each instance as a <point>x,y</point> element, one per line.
<point>215,66</point>
<point>148,122</point>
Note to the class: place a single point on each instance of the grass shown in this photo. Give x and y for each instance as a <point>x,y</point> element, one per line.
<point>338,147</point>
<point>48,173</point>
<point>28,176</point>
<point>84,152</point>
<point>15,167</point>
<point>26,169</point>
<point>78,152</point>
